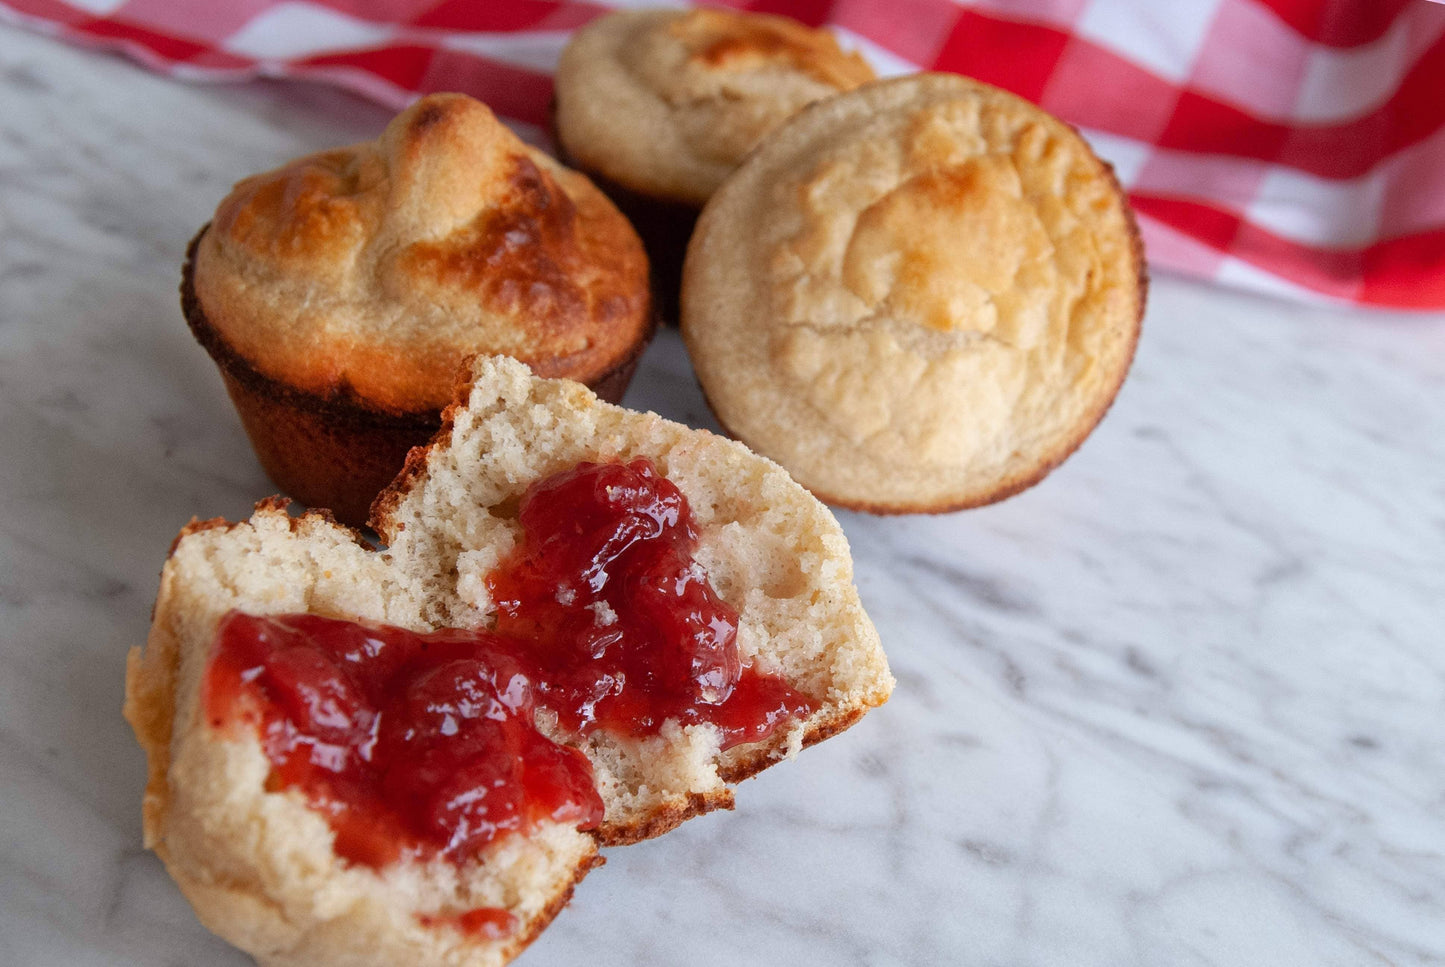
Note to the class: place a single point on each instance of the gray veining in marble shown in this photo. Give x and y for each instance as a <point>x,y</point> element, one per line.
<point>1180,704</point>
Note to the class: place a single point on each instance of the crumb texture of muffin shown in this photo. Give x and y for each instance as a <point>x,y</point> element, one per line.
<point>770,550</point>
<point>259,866</point>
<point>667,103</point>
<point>918,296</point>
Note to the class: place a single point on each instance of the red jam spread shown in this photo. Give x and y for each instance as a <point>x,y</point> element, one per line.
<point>426,744</point>
<point>621,620</point>
<point>486,923</point>
<point>409,744</point>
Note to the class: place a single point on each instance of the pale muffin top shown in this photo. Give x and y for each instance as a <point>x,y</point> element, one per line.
<point>919,295</point>
<point>668,102</point>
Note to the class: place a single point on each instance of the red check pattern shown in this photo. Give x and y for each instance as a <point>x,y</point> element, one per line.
<point>1291,146</point>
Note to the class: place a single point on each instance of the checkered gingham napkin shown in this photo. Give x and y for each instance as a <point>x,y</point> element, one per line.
<point>1290,146</point>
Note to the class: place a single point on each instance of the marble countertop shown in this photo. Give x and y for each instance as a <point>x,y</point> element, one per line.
<point>1182,703</point>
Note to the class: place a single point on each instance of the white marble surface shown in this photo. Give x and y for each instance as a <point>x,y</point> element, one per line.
<point>1180,704</point>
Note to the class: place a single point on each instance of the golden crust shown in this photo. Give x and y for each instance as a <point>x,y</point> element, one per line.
<point>367,273</point>
<point>664,227</point>
<point>919,296</point>
<point>668,817</point>
<point>696,91</point>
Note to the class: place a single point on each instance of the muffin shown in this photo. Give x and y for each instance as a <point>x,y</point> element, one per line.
<point>325,789</point>
<point>659,106</point>
<point>340,294</point>
<point>917,296</point>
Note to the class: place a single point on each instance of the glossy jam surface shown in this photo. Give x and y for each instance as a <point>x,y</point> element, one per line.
<point>409,744</point>
<point>426,744</point>
<point>625,628</point>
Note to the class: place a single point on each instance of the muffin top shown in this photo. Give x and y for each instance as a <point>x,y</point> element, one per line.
<point>668,102</point>
<point>917,296</point>
<point>368,273</point>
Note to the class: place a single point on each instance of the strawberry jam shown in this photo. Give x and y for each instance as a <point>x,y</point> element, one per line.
<point>625,627</point>
<point>486,923</point>
<point>426,744</point>
<point>409,744</point>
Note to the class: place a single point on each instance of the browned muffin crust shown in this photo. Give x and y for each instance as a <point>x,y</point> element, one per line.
<point>373,270</point>
<point>664,226</point>
<point>340,294</point>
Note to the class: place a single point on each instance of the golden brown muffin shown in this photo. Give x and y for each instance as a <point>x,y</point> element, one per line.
<point>659,106</point>
<point>341,293</point>
<point>918,296</point>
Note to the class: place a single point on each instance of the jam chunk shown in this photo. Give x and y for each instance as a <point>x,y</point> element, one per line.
<point>409,744</point>
<point>625,627</point>
<point>426,744</point>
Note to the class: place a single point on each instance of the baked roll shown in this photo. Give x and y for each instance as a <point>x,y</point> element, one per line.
<point>340,294</point>
<point>364,756</point>
<point>921,295</point>
<point>659,106</point>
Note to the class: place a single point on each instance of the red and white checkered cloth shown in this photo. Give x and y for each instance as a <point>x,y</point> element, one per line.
<point>1290,146</point>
